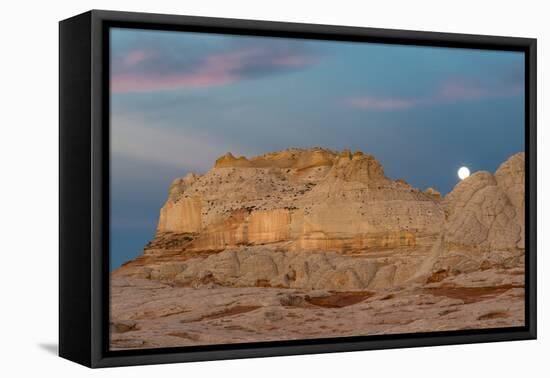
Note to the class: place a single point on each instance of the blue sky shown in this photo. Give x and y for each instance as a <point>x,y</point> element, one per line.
<point>179,100</point>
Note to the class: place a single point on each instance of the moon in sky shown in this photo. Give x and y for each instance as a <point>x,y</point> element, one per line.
<point>463,172</point>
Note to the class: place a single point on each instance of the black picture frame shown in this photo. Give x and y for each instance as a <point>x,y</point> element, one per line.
<point>84,188</point>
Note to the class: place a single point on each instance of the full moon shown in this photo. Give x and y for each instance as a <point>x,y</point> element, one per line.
<point>463,172</point>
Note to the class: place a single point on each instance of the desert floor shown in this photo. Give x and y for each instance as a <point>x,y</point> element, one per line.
<point>153,314</point>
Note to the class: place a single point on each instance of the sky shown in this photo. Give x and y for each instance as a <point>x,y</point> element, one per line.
<point>180,100</point>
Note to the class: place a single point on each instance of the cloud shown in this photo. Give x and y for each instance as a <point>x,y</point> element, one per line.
<point>375,103</point>
<point>465,90</point>
<point>450,92</point>
<point>136,57</point>
<point>155,143</point>
<point>161,68</point>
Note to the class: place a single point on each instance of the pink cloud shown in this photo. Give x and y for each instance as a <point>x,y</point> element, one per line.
<point>136,57</point>
<point>453,91</point>
<point>458,91</point>
<point>142,83</point>
<point>375,103</point>
<point>293,61</point>
<point>213,70</point>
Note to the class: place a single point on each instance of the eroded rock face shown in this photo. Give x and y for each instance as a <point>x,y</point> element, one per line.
<point>510,177</point>
<point>313,199</point>
<point>485,221</point>
<point>182,216</point>
<point>291,158</point>
<point>266,266</point>
<point>481,216</point>
<point>316,219</point>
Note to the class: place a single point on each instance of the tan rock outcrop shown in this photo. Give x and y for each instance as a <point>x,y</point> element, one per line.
<point>291,158</point>
<point>269,226</point>
<point>485,212</point>
<point>314,199</point>
<point>182,216</point>
<point>264,266</point>
<point>317,219</point>
<point>230,161</point>
<point>485,221</point>
<point>510,177</point>
<point>433,193</point>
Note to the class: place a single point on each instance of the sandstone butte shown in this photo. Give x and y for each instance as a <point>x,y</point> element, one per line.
<point>317,219</point>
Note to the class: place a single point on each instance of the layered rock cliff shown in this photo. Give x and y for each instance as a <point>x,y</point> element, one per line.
<point>312,199</point>
<point>318,219</point>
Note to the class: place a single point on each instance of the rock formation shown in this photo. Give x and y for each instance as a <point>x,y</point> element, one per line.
<point>312,199</point>
<point>317,219</point>
<point>298,232</point>
<point>485,221</point>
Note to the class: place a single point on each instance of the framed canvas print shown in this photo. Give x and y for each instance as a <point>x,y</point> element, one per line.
<point>234,188</point>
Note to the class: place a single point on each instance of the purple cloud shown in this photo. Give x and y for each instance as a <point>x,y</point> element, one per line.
<point>461,90</point>
<point>370,102</point>
<point>450,92</point>
<point>142,70</point>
